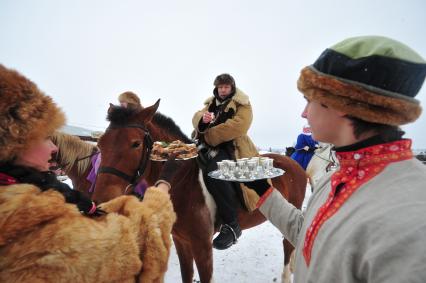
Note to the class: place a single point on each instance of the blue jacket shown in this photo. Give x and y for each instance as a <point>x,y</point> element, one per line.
<point>301,155</point>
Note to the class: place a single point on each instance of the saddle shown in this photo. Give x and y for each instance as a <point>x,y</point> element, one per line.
<point>247,197</point>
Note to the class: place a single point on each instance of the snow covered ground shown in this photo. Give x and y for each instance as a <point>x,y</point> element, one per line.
<point>256,258</point>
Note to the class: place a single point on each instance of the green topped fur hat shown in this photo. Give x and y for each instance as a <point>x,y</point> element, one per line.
<point>372,78</point>
<point>26,114</point>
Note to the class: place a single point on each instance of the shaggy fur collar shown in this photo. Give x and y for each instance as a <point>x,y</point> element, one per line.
<point>48,181</point>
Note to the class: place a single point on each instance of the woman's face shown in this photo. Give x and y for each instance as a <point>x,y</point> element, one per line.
<point>38,155</point>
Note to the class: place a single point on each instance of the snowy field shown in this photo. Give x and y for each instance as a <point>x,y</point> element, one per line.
<point>257,257</point>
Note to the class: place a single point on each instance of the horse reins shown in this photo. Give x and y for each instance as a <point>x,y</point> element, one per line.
<point>95,151</point>
<point>146,152</point>
<point>56,159</point>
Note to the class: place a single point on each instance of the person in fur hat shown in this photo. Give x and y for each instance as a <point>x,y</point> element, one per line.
<point>221,127</point>
<point>365,221</point>
<point>129,99</point>
<point>51,233</point>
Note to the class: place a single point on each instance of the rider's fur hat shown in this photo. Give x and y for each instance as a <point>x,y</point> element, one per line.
<point>26,114</point>
<point>371,78</point>
<point>224,79</point>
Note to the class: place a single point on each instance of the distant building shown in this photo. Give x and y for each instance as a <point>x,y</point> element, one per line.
<point>271,150</point>
<point>82,133</point>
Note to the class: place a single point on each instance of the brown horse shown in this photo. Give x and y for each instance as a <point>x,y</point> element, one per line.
<point>74,157</point>
<point>125,149</point>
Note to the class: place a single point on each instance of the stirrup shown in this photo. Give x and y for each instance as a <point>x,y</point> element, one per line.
<point>232,230</point>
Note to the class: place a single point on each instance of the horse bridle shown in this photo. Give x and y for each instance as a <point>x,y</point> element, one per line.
<point>146,152</point>
<point>57,159</point>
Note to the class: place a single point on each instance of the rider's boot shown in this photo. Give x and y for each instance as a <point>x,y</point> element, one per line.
<point>229,233</point>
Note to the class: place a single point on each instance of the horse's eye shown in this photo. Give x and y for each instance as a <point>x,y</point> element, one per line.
<point>136,144</point>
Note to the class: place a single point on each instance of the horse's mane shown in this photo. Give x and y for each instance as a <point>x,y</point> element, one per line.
<point>121,115</point>
<point>165,122</point>
<point>70,149</point>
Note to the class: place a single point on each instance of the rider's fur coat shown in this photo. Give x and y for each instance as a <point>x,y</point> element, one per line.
<point>238,117</point>
<point>44,239</point>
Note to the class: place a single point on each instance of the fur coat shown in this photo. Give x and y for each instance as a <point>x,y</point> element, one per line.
<point>44,239</point>
<point>239,115</point>
<point>234,129</point>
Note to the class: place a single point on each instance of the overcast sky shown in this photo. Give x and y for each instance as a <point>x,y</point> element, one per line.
<point>84,53</point>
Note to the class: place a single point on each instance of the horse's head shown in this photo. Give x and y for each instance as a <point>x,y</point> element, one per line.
<point>72,152</point>
<point>125,148</point>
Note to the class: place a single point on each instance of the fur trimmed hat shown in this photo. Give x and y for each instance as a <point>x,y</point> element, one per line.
<point>130,98</point>
<point>26,114</point>
<point>224,79</point>
<point>372,78</point>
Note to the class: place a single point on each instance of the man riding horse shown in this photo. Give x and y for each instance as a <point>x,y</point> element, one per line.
<point>221,127</point>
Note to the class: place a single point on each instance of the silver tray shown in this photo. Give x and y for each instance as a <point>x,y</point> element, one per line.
<point>275,172</point>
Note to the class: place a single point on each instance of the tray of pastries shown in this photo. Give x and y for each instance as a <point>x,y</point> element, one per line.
<point>161,150</point>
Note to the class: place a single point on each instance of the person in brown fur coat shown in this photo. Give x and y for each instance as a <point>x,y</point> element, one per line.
<point>51,233</point>
<point>221,128</point>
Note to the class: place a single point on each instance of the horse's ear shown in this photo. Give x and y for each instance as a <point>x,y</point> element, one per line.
<point>147,113</point>
<point>111,106</point>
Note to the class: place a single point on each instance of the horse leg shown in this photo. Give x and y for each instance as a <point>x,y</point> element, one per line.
<point>186,259</point>
<point>288,249</point>
<point>203,255</point>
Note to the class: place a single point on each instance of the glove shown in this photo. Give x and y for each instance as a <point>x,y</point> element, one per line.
<point>84,204</point>
<point>89,208</point>
<point>259,186</point>
<point>169,169</point>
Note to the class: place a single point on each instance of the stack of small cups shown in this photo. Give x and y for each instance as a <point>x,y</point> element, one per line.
<point>246,168</point>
